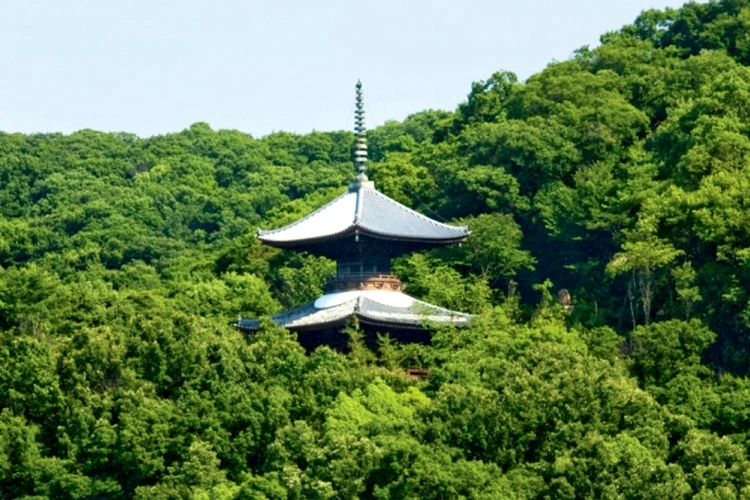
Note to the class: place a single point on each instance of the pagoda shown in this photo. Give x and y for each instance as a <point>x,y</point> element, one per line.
<point>362,230</point>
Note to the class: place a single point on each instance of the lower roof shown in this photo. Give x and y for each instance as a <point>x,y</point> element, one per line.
<point>378,307</point>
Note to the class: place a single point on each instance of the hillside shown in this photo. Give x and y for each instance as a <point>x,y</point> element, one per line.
<point>619,176</point>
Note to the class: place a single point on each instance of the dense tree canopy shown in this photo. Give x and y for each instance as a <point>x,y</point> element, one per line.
<point>615,182</point>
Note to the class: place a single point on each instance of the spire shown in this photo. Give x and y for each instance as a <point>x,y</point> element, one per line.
<point>360,147</point>
<point>360,150</point>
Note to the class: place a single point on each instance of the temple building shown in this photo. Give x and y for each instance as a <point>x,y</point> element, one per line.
<point>362,230</point>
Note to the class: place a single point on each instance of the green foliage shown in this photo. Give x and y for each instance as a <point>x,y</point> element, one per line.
<point>643,254</point>
<point>442,285</point>
<point>302,279</point>
<point>662,350</point>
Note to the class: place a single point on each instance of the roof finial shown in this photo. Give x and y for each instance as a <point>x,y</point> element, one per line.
<point>360,150</point>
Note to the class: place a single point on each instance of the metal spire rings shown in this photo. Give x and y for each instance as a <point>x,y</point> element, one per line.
<point>360,149</point>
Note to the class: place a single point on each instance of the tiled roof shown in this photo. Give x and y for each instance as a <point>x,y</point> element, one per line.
<point>364,210</point>
<point>365,306</point>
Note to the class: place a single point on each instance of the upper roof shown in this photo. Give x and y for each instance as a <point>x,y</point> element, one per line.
<point>384,308</point>
<point>363,210</point>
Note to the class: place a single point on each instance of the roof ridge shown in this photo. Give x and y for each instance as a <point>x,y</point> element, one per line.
<point>358,206</point>
<point>358,307</point>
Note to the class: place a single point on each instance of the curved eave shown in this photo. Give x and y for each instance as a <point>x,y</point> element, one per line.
<point>423,324</point>
<point>350,231</point>
<point>411,239</point>
<point>355,230</point>
<point>416,324</point>
<point>267,235</point>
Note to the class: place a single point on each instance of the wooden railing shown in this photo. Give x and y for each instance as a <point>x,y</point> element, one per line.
<point>364,281</point>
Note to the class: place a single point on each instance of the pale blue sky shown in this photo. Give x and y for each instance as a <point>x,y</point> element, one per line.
<point>156,66</point>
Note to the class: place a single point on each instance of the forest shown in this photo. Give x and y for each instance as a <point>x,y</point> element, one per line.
<point>619,177</point>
